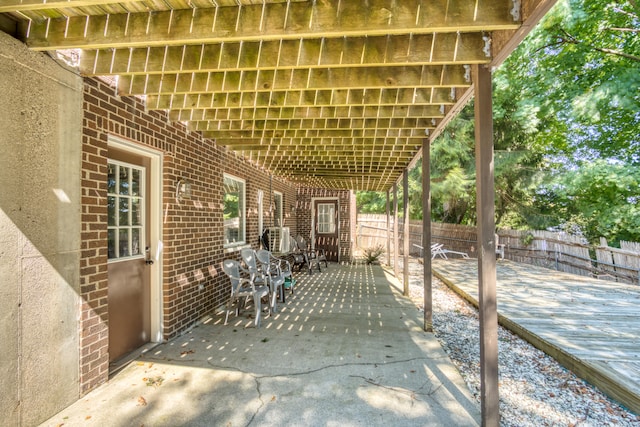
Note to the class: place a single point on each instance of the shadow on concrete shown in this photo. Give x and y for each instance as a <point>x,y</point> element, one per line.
<point>346,349</point>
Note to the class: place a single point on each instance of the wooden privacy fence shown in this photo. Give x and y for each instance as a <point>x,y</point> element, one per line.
<point>555,250</point>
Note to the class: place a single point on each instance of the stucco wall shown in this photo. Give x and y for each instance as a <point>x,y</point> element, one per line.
<point>40,139</point>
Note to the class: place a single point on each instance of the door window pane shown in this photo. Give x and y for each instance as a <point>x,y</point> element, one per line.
<point>135,182</point>
<point>124,180</point>
<point>111,178</point>
<point>123,238</point>
<point>111,236</point>
<point>234,211</point>
<point>326,218</point>
<point>111,211</point>
<point>135,241</point>
<point>125,210</point>
<point>136,212</point>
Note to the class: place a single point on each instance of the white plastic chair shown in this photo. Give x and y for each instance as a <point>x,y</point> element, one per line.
<point>437,249</point>
<point>275,270</point>
<point>241,289</point>
<point>499,247</point>
<point>311,257</point>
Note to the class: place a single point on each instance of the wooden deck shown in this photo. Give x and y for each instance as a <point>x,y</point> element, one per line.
<point>591,326</point>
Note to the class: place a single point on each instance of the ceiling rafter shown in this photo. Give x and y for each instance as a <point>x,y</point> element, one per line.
<point>331,93</point>
<point>230,128</point>
<point>425,76</point>
<point>269,21</point>
<point>219,116</point>
<point>362,51</point>
<point>304,98</point>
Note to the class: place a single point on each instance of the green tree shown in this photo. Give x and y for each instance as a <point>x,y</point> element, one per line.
<point>452,172</point>
<point>373,202</point>
<point>584,63</point>
<point>602,198</point>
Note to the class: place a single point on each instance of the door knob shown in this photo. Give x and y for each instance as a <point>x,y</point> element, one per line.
<point>147,256</point>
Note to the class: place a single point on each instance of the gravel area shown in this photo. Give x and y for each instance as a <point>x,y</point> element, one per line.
<point>534,389</point>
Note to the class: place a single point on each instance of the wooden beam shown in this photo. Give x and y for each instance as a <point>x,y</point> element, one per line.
<point>239,115</point>
<point>405,231</point>
<point>395,229</point>
<point>364,51</point>
<point>355,142</point>
<point>261,128</point>
<point>533,12</point>
<point>426,236</point>
<point>315,133</point>
<point>425,76</point>
<point>27,5</point>
<point>304,98</point>
<point>489,395</point>
<point>288,21</point>
<point>31,5</point>
<point>306,164</point>
<point>387,209</point>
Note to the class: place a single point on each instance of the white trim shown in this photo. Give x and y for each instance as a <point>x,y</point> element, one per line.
<point>260,212</point>
<point>155,227</point>
<point>313,220</point>
<point>143,238</point>
<point>243,214</point>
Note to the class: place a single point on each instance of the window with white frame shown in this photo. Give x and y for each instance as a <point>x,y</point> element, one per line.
<point>125,210</point>
<point>326,218</point>
<point>234,211</point>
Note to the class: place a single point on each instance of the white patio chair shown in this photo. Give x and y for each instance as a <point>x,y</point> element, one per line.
<point>274,269</point>
<point>313,257</point>
<point>241,289</point>
<point>250,262</point>
<point>437,249</point>
<point>499,247</point>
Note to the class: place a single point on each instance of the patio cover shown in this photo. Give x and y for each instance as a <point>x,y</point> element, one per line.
<point>326,93</point>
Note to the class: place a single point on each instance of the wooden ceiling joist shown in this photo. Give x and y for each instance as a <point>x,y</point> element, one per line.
<point>363,51</point>
<point>220,116</point>
<point>270,21</point>
<point>425,76</point>
<point>235,128</point>
<point>304,98</point>
<point>316,133</point>
<point>364,142</point>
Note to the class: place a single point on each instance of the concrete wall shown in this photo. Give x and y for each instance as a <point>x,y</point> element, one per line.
<point>40,141</point>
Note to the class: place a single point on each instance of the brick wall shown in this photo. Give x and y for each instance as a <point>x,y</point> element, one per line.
<point>192,230</point>
<point>346,200</point>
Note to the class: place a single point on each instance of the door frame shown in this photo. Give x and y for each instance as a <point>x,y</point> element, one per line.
<point>154,189</point>
<point>313,220</point>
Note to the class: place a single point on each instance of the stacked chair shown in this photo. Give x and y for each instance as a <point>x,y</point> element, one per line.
<point>310,257</point>
<point>243,287</point>
<point>259,275</point>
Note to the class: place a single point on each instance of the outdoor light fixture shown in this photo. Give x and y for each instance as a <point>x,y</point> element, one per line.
<point>183,190</point>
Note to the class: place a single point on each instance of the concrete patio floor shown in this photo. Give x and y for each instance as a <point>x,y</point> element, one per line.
<point>347,349</point>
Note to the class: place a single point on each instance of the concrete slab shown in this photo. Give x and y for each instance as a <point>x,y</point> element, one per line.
<point>347,349</point>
